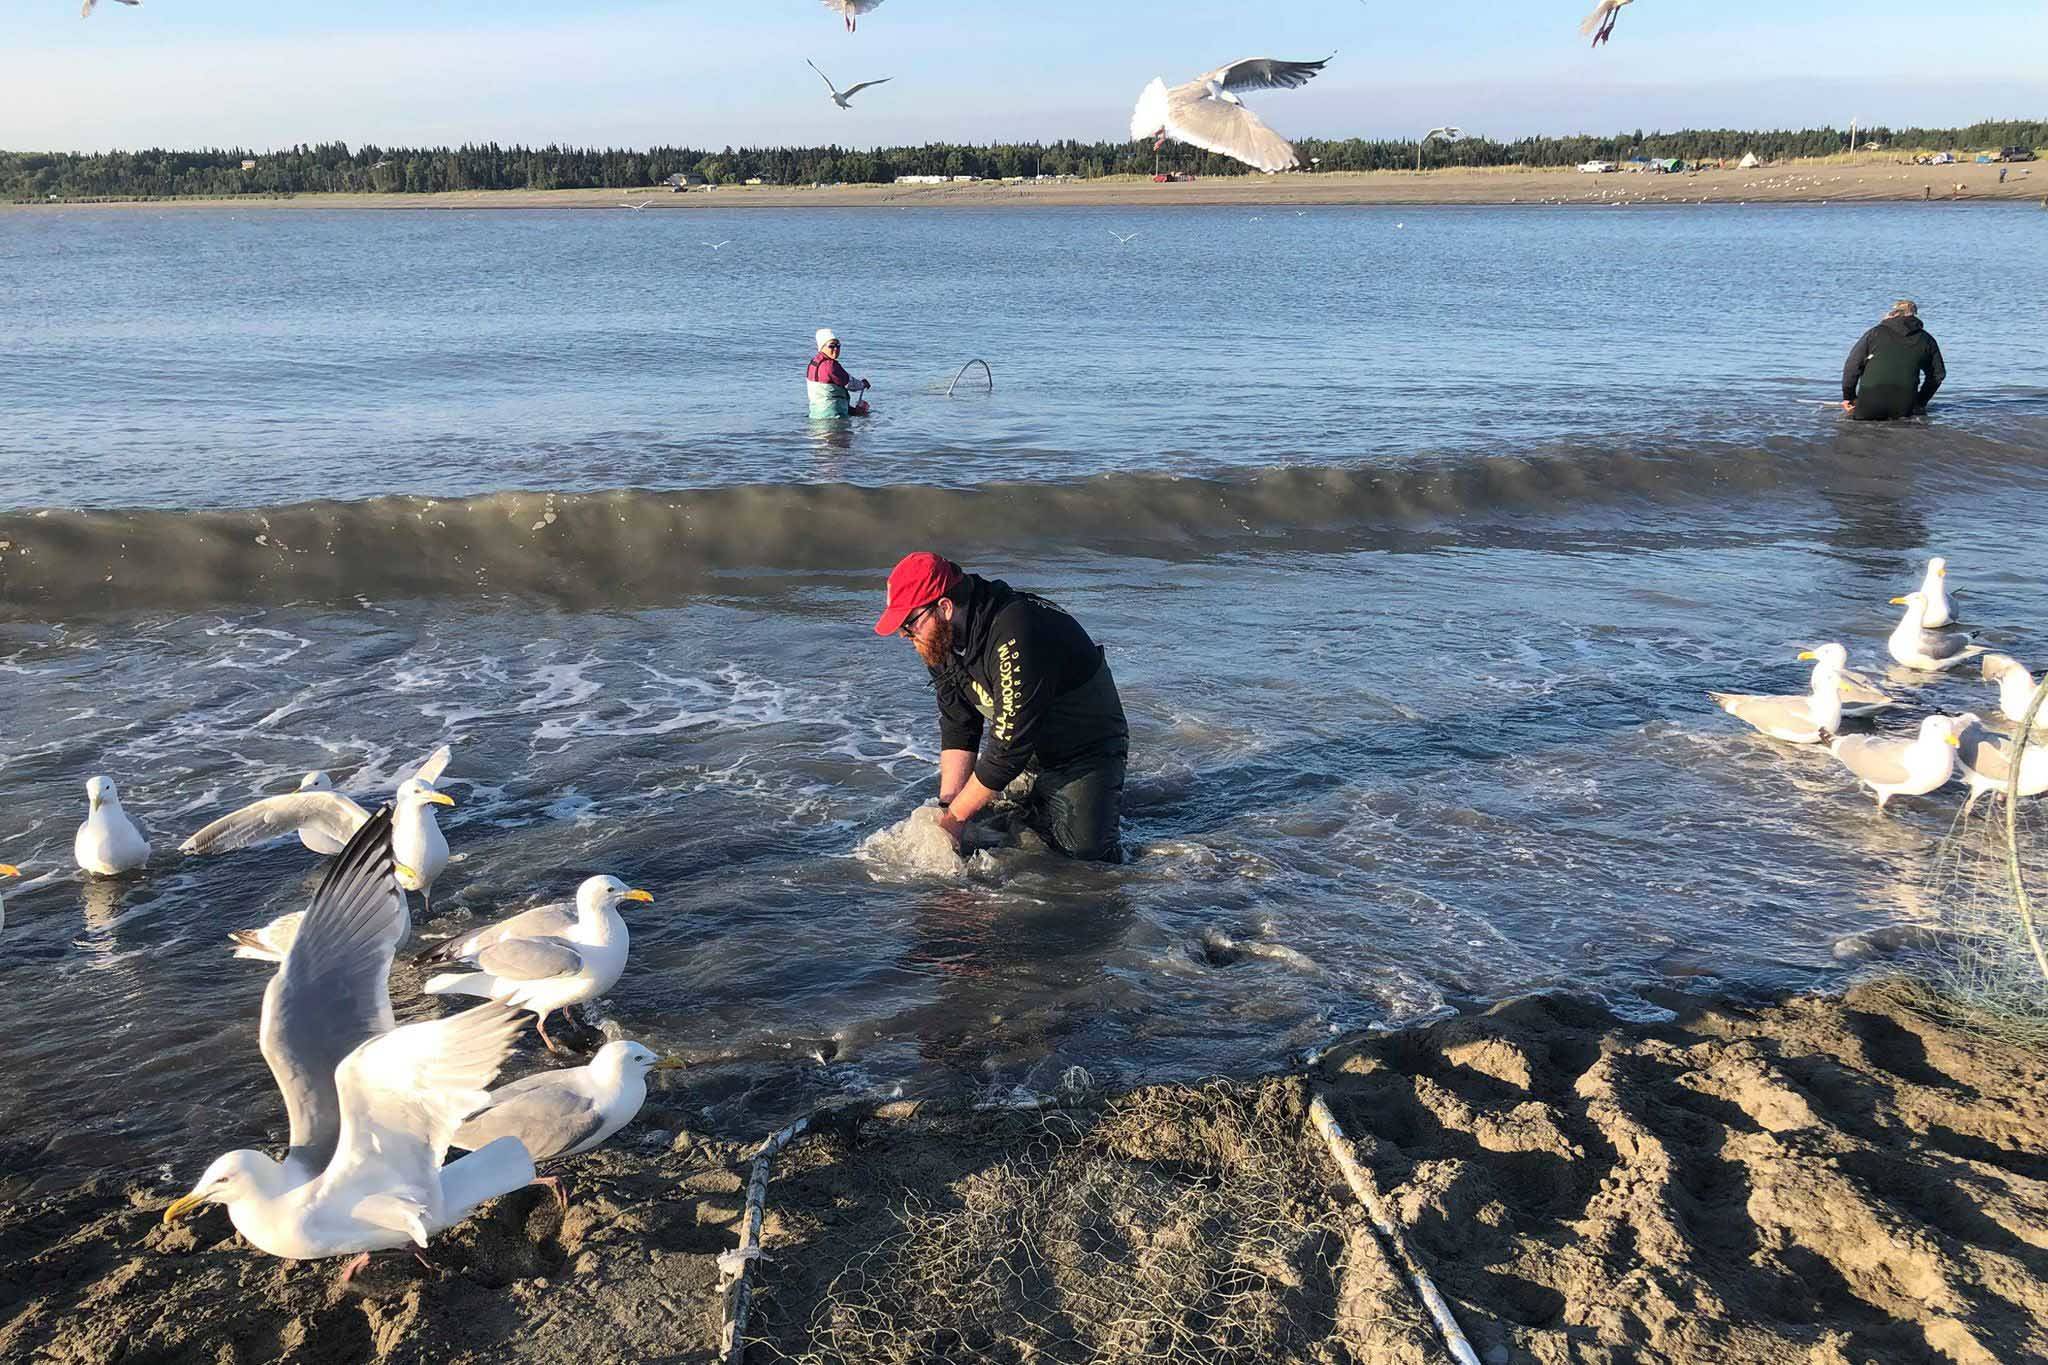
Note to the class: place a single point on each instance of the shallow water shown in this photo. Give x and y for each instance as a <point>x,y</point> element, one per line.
<point>1418,719</point>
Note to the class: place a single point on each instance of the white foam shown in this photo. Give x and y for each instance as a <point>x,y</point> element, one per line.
<point>915,846</point>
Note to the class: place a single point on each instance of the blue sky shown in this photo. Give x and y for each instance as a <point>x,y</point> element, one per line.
<point>266,73</point>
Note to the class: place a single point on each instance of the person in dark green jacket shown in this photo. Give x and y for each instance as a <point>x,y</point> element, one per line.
<point>1894,370</point>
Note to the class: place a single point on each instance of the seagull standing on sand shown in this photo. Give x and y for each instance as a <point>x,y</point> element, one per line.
<point>1930,651</point>
<point>372,1107</point>
<point>840,97</point>
<point>108,844</point>
<point>85,10</point>
<point>850,9</point>
<point>1902,767</point>
<point>1600,23</point>
<point>545,959</point>
<point>1207,113</point>
<point>1811,719</point>
<point>568,1111</point>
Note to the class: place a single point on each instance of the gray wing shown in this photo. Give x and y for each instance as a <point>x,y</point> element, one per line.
<point>822,76</point>
<point>327,816</point>
<point>539,922</point>
<point>1228,129</point>
<point>1772,715</point>
<point>531,959</point>
<point>548,1117</point>
<point>1266,73</point>
<point>853,90</point>
<point>332,992</point>
<point>430,769</point>
<point>1941,644</point>
<point>1880,762</point>
<point>1983,754</point>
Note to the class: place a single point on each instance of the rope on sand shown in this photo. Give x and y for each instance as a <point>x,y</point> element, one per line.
<point>987,373</point>
<point>1325,1124</point>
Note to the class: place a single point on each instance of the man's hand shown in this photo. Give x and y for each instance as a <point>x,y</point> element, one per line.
<point>865,386</point>
<point>952,827</point>
<point>1848,406</point>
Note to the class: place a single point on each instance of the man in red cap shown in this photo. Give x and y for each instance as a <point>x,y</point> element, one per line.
<point>1021,689</point>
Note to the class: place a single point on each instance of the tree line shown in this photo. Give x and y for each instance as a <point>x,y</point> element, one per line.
<point>370,169</point>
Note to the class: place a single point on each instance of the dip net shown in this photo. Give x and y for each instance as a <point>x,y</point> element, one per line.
<point>1176,1226</point>
<point>1991,882</point>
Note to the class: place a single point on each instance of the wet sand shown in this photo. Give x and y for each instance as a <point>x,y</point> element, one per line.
<point>1814,1180</point>
<point>1876,180</point>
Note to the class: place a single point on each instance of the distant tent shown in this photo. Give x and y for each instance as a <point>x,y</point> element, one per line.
<point>1748,162</point>
<point>1669,164</point>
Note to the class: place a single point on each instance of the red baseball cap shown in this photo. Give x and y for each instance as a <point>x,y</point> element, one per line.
<point>917,580</point>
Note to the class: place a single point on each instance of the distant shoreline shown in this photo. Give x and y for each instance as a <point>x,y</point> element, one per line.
<point>1787,183</point>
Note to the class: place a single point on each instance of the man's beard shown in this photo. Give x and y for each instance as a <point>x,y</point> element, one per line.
<point>941,647</point>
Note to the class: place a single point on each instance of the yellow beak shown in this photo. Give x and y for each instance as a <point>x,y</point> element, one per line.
<point>441,798</point>
<point>1955,742</point>
<point>9,870</point>
<point>1898,601</point>
<point>1808,654</point>
<point>636,894</point>
<point>181,1206</point>
<point>402,870</point>
<point>671,1064</point>
<point>1941,573</point>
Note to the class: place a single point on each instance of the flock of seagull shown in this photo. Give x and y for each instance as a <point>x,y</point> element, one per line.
<point>1981,751</point>
<point>373,1108</point>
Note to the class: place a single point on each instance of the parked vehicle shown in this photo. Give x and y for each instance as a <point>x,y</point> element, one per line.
<point>2017,154</point>
<point>1595,167</point>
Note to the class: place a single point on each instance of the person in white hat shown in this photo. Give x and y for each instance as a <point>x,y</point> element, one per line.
<point>830,386</point>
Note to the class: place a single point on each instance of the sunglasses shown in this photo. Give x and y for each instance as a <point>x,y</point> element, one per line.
<point>908,630</point>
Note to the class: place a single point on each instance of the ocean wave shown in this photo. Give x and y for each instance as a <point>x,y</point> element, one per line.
<point>641,546</point>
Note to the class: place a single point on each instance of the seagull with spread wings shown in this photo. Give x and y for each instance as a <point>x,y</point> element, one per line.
<point>851,10</point>
<point>85,10</point>
<point>1600,23</point>
<point>373,1107</point>
<point>1207,113</point>
<point>840,97</point>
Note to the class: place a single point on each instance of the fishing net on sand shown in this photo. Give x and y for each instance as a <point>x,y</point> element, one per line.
<point>1176,1226</point>
<point>1990,881</point>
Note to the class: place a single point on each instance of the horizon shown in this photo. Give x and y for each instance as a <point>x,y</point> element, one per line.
<point>643,73</point>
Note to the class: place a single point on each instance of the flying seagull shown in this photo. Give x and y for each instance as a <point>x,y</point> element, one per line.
<point>1600,23</point>
<point>1122,238</point>
<point>840,97</point>
<point>85,10</point>
<point>637,207</point>
<point>715,245</point>
<point>1207,113</point>
<point>850,9</point>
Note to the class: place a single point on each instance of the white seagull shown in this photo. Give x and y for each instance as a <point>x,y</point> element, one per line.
<point>372,1107</point>
<point>1206,112</point>
<point>1902,767</point>
<point>108,844</point>
<point>85,10</point>
<point>1930,651</point>
<point>2016,689</point>
<point>1811,719</point>
<point>545,959</point>
<point>1934,587</point>
<point>568,1111</point>
<point>325,820</point>
<point>1122,238</point>
<point>1600,23</point>
<point>715,245</point>
<point>840,97</point>
<point>851,10</point>
<point>1986,761</point>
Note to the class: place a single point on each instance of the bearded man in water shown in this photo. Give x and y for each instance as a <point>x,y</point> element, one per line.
<point>1021,689</point>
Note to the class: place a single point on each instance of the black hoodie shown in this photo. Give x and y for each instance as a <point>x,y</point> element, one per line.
<point>1027,672</point>
<point>1888,364</point>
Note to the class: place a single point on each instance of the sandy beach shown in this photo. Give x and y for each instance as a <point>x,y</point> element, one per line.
<point>1811,1179</point>
<point>1832,181</point>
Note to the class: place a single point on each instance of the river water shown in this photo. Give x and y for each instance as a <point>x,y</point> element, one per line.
<point>1415,537</point>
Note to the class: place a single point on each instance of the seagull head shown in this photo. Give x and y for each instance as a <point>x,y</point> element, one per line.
<point>1940,730</point>
<point>417,793</point>
<point>316,781</point>
<point>631,1059</point>
<point>1829,656</point>
<point>1937,567</point>
<point>599,894</point>
<point>231,1178</point>
<point>1996,666</point>
<point>100,792</point>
